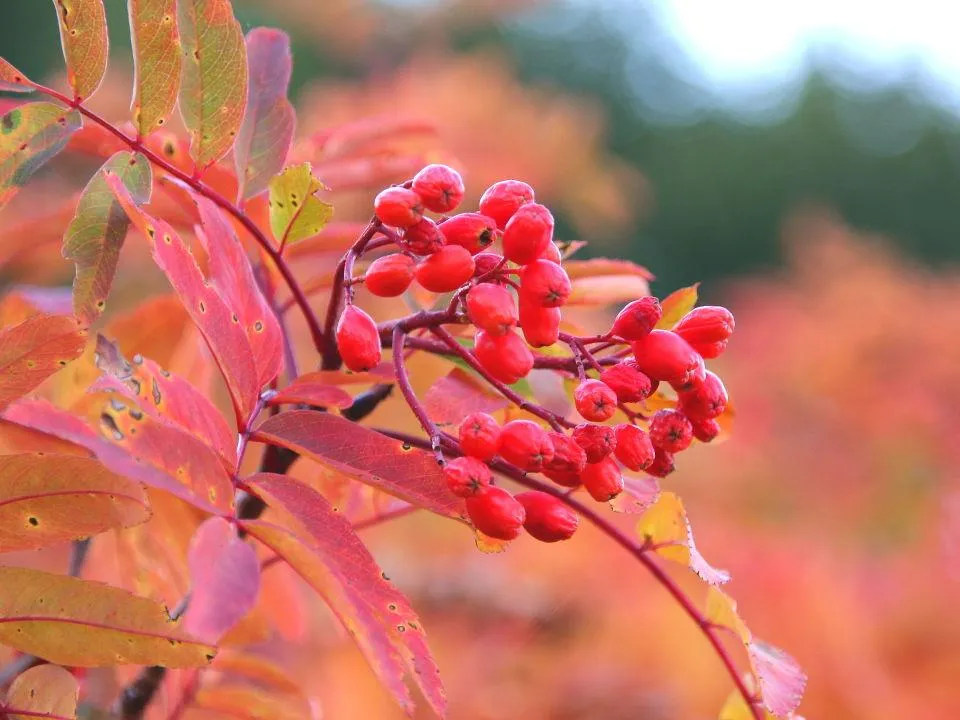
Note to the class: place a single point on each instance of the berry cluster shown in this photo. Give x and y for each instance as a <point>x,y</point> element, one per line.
<point>513,297</point>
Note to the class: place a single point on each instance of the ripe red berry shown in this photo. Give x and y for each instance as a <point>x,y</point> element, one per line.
<point>399,207</point>
<point>707,329</point>
<point>548,519</point>
<point>486,262</point>
<point>662,464</point>
<point>671,430</point>
<point>626,380</point>
<point>706,399</point>
<point>466,476</point>
<point>568,456</point>
<point>506,357</point>
<point>479,435</point>
<point>637,319</point>
<point>597,441</point>
<point>663,355</point>
<point>603,479</point>
<point>527,234</point>
<point>492,308</point>
<point>544,283</point>
<point>495,512</point>
<point>440,187</point>
<point>470,230</point>
<point>390,275</point>
<point>358,340</point>
<point>501,200</point>
<point>705,430</point>
<point>552,253</point>
<point>634,448</point>
<point>595,401</point>
<point>447,269</point>
<point>422,238</point>
<point>526,445</point>
<point>540,325</point>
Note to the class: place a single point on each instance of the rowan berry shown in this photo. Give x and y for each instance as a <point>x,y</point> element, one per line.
<point>597,441</point>
<point>502,199</point>
<point>495,512</point>
<point>634,448</point>
<point>486,262</point>
<point>422,238</point>
<point>540,325</point>
<point>637,319</point>
<point>627,381</point>
<point>466,476</point>
<point>440,187</point>
<point>527,233</point>
<point>398,206</point>
<point>506,357</point>
<point>544,283</point>
<point>548,519</point>
<point>470,230</point>
<point>552,253</point>
<point>671,430</point>
<point>445,270</point>
<point>566,478</point>
<point>492,308</point>
<point>526,445</point>
<point>662,465</point>
<point>707,329</point>
<point>390,275</point>
<point>705,430</point>
<point>664,355</point>
<point>706,398</point>
<point>479,435</point>
<point>595,401</point>
<point>568,456</point>
<point>603,480</point>
<point>358,340</point>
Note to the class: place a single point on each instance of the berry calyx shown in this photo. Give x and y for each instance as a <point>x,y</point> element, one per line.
<point>358,339</point>
<point>664,355</point>
<point>445,270</point>
<point>495,512</point>
<point>707,329</point>
<point>706,399</point>
<point>479,435</point>
<point>634,448</point>
<point>603,480</point>
<point>627,381</point>
<point>526,445</point>
<point>502,199</point>
<point>637,319</point>
<point>472,231</point>
<point>440,187</point>
<point>527,233</point>
<point>492,308</point>
<point>595,401</point>
<point>597,441</point>
<point>390,275</point>
<point>466,476</point>
<point>548,519</point>
<point>671,430</point>
<point>506,357</point>
<point>544,283</point>
<point>540,325</point>
<point>422,238</point>
<point>398,206</point>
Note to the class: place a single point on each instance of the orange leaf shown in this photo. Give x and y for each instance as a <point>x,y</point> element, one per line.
<point>46,691</point>
<point>83,34</point>
<point>676,305</point>
<point>34,350</point>
<point>240,701</point>
<point>261,670</point>
<point>607,289</point>
<point>12,80</point>
<point>157,62</point>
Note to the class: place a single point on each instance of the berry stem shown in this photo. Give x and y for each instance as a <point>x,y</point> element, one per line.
<point>403,381</point>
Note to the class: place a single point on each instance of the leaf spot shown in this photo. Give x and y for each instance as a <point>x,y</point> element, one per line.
<point>33,521</point>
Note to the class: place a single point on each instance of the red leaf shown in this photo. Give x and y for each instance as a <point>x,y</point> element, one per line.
<point>312,390</point>
<point>782,680</point>
<point>224,579</point>
<point>364,455</point>
<point>456,395</point>
<point>33,351</point>
<point>341,569</point>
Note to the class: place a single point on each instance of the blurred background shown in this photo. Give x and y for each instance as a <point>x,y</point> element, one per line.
<point>800,160</point>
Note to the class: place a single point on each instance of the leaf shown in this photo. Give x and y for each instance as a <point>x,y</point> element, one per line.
<point>267,130</point>
<point>30,135</point>
<point>43,691</point>
<point>364,455</point>
<point>639,493</point>
<point>598,267</point>
<point>676,305</point>
<point>607,289</point>
<point>75,622</point>
<point>722,612</point>
<point>98,229</point>
<point>736,708</point>
<point>666,528</point>
<point>33,351</point>
<point>241,701</point>
<point>456,395</point>
<point>24,301</point>
<point>157,62</point>
<point>46,499</point>
<point>224,577</point>
<point>83,35</point>
<point>781,679</point>
<point>309,389</point>
<point>213,90</point>
<point>336,563</point>
<point>219,324</point>
<point>12,80</point>
<point>296,212</point>
<point>261,670</point>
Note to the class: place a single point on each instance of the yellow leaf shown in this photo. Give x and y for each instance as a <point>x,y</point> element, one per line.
<point>296,212</point>
<point>722,612</point>
<point>676,305</point>
<point>46,691</point>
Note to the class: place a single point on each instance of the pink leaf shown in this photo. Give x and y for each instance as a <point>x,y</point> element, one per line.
<point>639,493</point>
<point>311,389</point>
<point>782,680</point>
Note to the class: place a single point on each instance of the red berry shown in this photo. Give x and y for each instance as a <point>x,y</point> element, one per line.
<point>671,430</point>
<point>637,319</point>
<point>706,398</point>
<point>662,464</point>
<point>501,200</point>
<point>707,329</point>
<point>544,283</point>
<point>527,234</point>
<point>479,435</point>
<point>548,519</point>
<point>495,512</point>
<point>540,325</point>
<point>634,448</point>
<point>470,230</point>
<point>526,445</point>
<point>422,238</point>
<point>466,476</point>
<point>597,441</point>
<point>595,401</point>
<point>552,253</point>
<point>626,380</point>
<point>563,477</point>
<point>711,350</point>
<point>440,187</point>
<point>603,479</point>
<point>358,339</point>
<point>447,269</point>
<point>663,355</point>
<point>506,357</point>
<point>568,456</point>
<point>705,430</point>
<point>398,206</point>
<point>492,308</point>
<point>486,262</point>
<point>390,275</point>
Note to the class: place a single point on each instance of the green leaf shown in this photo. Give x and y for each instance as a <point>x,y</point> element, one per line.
<point>12,80</point>
<point>296,212</point>
<point>157,60</point>
<point>29,136</point>
<point>98,229</point>
<point>213,93</point>
<point>83,34</point>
